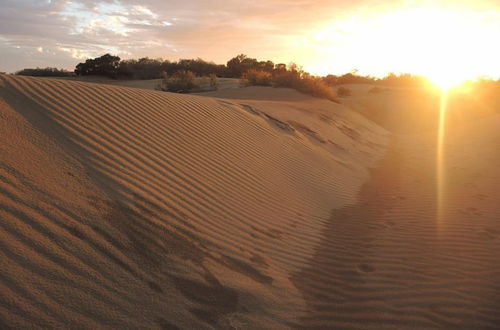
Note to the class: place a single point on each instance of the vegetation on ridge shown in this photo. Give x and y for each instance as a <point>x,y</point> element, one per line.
<point>197,75</point>
<point>45,72</point>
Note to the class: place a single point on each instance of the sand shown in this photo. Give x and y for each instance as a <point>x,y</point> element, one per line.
<point>240,209</point>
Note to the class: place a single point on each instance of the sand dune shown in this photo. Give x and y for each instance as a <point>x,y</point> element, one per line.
<point>246,208</point>
<point>123,207</point>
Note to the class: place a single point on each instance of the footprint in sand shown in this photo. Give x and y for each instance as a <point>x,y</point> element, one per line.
<point>366,268</point>
<point>155,287</point>
<point>481,196</point>
<point>388,224</point>
<point>490,233</point>
<point>471,211</point>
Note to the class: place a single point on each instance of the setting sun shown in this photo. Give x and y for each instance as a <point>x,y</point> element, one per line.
<point>447,45</point>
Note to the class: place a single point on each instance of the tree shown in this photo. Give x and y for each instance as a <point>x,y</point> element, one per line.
<point>240,64</point>
<point>267,66</point>
<point>280,67</point>
<point>106,65</point>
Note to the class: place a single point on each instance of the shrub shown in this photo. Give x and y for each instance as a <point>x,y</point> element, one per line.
<point>315,86</point>
<point>297,79</point>
<point>294,78</point>
<point>208,83</point>
<point>343,92</point>
<point>180,82</point>
<point>286,79</point>
<point>214,81</point>
<point>331,80</point>
<point>257,78</point>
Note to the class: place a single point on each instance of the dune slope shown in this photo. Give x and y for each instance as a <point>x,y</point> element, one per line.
<point>129,208</point>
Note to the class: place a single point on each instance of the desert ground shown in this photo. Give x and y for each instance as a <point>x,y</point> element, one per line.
<point>246,208</point>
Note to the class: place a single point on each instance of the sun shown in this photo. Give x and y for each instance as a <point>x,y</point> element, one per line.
<point>447,45</point>
<point>446,80</point>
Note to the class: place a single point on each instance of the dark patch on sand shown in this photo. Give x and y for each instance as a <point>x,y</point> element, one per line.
<point>214,300</point>
<point>245,269</point>
<point>165,325</point>
<point>307,131</point>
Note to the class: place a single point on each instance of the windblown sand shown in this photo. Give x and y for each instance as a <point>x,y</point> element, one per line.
<point>245,208</point>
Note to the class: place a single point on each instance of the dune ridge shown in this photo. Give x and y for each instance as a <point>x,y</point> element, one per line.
<point>129,207</point>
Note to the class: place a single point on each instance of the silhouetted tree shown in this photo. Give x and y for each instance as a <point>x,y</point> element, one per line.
<point>106,65</point>
<point>267,66</point>
<point>143,68</point>
<point>280,67</point>
<point>240,64</point>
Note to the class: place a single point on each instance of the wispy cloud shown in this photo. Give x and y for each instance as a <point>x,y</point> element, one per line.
<point>282,30</point>
<point>69,31</point>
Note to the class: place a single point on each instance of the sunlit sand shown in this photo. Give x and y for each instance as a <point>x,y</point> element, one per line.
<point>262,207</point>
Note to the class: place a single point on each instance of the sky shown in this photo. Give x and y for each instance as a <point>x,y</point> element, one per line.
<point>324,36</point>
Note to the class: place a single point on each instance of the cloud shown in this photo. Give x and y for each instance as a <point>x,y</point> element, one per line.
<point>213,29</point>
<point>70,31</point>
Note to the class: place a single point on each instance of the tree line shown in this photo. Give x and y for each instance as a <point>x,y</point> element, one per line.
<point>45,72</point>
<point>237,67</point>
<point>147,68</point>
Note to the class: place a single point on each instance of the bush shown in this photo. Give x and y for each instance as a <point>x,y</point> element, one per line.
<point>297,79</point>
<point>286,79</point>
<point>315,86</point>
<point>208,83</point>
<point>293,77</point>
<point>257,78</point>
<point>181,82</point>
<point>343,92</point>
<point>214,81</point>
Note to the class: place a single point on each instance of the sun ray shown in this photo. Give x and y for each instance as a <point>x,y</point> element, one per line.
<point>440,156</point>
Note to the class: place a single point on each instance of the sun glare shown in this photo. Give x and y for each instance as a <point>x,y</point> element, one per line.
<point>445,81</point>
<point>448,46</point>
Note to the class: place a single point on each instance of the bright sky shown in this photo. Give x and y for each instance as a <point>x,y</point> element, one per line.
<point>443,39</point>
